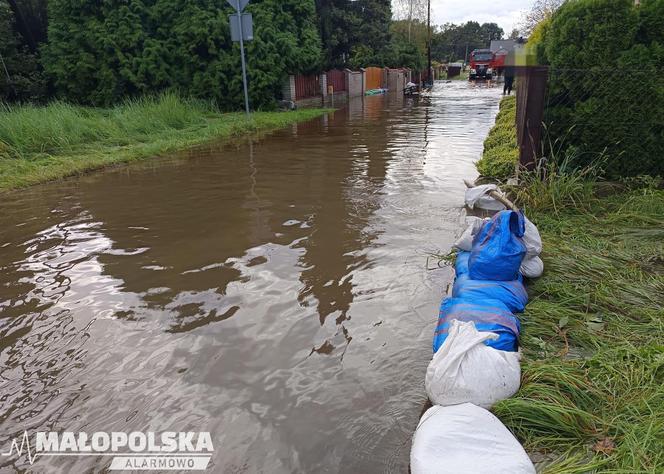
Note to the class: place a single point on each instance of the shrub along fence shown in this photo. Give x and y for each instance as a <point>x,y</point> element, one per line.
<point>591,116</point>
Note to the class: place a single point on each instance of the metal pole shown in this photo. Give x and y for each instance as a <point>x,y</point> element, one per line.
<point>244,67</point>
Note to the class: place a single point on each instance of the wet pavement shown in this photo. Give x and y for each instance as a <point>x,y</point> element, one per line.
<point>275,292</point>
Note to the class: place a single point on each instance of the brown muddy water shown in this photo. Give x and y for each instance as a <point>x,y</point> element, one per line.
<point>274,292</point>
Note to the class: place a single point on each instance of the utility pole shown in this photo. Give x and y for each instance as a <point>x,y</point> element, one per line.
<point>410,17</point>
<point>430,79</point>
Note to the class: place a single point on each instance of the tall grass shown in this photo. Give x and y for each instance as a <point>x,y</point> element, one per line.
<point>592,397</point>
<point>554,185</point>
<point>27,129</point>
<point>41,143</point>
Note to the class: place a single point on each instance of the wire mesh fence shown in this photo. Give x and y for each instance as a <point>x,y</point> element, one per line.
<point>610,116</point>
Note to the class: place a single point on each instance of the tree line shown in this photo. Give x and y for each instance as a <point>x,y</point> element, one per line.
<point>98,53</point>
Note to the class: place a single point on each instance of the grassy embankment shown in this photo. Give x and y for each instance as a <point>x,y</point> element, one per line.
<point>592,393</point>
<point>43,143</point>
<point>500,154</point>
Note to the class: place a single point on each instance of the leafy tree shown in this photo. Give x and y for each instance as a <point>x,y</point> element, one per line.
<point>451,42</point>
<point>354,31</point>
<point>20,75</point>
<point>539,11</point>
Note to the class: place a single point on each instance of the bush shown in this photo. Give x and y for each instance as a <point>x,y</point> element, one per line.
<point>501,153</point>
<point>606,88</point>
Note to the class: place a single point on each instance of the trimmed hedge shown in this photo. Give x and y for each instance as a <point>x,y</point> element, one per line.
<point>501,153</point>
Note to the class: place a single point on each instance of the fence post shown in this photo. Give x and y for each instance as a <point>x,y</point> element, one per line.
<point>323,86</point>
<point>530,97</point>
<point>364,80</point>
<point>288,89</point>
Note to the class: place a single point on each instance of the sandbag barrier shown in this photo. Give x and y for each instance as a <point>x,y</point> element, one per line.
<point>476,360</point>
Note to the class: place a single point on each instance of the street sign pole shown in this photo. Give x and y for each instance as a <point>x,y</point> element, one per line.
<point>244,67</point>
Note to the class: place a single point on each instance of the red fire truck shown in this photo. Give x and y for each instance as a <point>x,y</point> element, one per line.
<point>481,64</point>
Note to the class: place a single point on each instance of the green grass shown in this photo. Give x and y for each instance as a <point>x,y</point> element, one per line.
<point>463,76</point>
<point>592,394</point>
<point>38,144</point>
<point>501,153</point>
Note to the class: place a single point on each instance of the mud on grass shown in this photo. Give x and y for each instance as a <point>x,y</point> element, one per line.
<point>39,144</point>
<point>592,395</point>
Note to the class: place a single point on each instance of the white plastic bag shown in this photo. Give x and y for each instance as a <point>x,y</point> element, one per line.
<point>478,197</point>
<point>464,369</point>
<point>532,239</point>
<point>473,226</point>
<point>465,439</point>
<point>532,267</point>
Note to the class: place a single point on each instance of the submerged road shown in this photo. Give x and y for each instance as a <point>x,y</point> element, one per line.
<point>274,293</point>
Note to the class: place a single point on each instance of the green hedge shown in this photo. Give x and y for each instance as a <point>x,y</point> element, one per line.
<point>606,88</point>
<point>101,52</point>
<point>501,153</point>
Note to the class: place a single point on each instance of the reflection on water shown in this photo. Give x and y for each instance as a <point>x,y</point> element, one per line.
<point>273,292</point>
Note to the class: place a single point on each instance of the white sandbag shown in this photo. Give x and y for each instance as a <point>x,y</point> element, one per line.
<point>532,239</point>
<point>464,369</point>
<point>478,197</point>
<point>465,439</point>
<point>473,226</point>
<point>532,267</point>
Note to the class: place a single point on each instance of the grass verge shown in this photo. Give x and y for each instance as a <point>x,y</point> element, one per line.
<point>463,76</point>
<point>501,153</point>
<point>38,144</point>
<point>592,395</point>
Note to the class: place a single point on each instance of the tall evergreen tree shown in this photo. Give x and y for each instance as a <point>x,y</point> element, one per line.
<point>98,54</point>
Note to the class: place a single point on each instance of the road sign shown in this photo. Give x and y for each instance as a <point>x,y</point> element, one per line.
<point>234,4</point>
<point>247,27</point>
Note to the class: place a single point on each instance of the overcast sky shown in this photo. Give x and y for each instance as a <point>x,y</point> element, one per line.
<point>506,13</point>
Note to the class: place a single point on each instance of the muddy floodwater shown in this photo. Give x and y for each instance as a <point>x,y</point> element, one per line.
<point>275,292</point>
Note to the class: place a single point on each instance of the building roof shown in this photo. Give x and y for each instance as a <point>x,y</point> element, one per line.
<point>502,44</point>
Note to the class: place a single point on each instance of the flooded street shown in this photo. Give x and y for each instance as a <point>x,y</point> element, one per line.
<point>273,292</point>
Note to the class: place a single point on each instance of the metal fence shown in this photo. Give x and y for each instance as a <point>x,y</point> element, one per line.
<point>307,86</point>
<point>608,116</point>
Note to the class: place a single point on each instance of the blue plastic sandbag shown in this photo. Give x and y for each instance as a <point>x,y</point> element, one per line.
<point>498,248</point>
<point>461,263</point>
<point>488,315</point>
<point>511,293</point>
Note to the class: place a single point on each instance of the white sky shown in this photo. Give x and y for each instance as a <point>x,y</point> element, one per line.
<point>507,13</point>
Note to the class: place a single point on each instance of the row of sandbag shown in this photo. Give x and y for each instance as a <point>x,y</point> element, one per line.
<point>476,358</point>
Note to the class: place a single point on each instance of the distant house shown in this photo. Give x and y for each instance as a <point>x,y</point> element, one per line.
<point>497,45</point>
<point>503,48</point>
